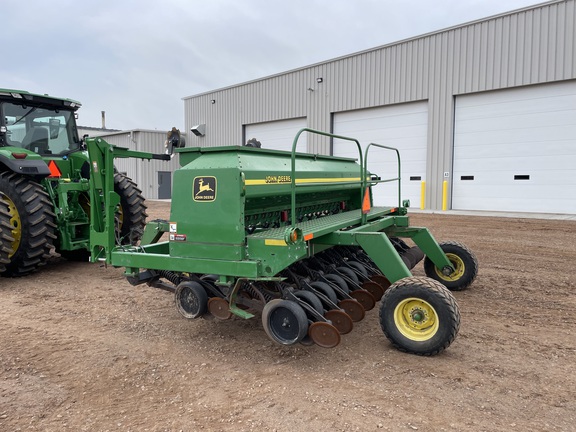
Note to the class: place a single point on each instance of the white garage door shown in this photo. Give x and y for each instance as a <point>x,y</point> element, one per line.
<point>515,150</point>
<point>402,126</point>
<point>278,135</point>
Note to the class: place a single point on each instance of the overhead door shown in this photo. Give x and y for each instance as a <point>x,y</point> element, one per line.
<point>278,135</point>
<point>404,127</point>
<point>515,150</point>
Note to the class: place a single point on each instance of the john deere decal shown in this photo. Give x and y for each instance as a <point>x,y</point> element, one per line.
<point>204,188</point>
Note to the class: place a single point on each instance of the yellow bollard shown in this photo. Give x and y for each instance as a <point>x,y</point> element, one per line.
<point>445,195</point>
<point>423,196</point>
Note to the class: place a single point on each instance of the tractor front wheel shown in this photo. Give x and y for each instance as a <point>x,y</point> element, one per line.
<point>32,223</point>
<point>419,316</point>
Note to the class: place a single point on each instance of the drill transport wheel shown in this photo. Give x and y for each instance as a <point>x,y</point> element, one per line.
<point>341,320</point>
<point>219,307</point>
<point>353,308</point>
<point>365,298</point>
<point>419,316</point>
<point>465,267</point>
<point>324,335</point>
<point>284,321</point>
<point>191,299</point>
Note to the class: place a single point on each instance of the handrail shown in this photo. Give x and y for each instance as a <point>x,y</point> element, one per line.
<point>385,180</point>
<point>293,171</point>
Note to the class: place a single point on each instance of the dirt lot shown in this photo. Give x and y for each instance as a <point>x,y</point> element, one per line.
<point>82,350</point>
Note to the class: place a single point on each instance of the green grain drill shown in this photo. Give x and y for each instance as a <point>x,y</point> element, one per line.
<point>293,238</point>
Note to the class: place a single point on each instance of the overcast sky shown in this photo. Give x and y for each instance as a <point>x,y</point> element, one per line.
<point>137,59</point>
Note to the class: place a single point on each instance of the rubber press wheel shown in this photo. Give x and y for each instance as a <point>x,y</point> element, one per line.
<point>419,316</point>
<point>359,267</point>
<point>465,267</point>
<point>32,223</point>
<point>284,321</point>
<point>311,299</point>
<point>349,273</point>
<point>191,299</point>
<point>325,289</point>
<point>6,238</point>
<point>338,281</point>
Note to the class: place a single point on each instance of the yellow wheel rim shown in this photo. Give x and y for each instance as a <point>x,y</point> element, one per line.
<point>416,319</point>
<point>459,269</point>
<point>120,215</point>
<point>16,225</point>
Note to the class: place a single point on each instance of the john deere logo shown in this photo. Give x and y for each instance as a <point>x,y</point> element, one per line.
<point>204,188</point>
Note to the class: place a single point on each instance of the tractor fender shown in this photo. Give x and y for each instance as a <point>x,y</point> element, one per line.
<point>36,168</point>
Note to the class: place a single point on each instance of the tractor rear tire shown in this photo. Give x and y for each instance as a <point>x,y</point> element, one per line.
<point>419,316</point>
<point>464,262</point>
<point>132,212</point>
<point>6,238</point>
<point>32,223</point>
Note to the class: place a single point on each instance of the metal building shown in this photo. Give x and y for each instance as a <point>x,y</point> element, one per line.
<point>153,177</point>
<point>488,107</point>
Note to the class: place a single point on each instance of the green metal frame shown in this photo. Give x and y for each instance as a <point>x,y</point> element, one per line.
<point>268,251</point>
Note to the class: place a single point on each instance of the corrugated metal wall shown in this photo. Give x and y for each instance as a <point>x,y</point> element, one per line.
<point>530,46</point>
<point>143,172</point>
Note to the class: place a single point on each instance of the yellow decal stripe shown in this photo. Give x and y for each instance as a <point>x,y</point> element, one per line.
<point>303,181</point>
<point>274,242</point>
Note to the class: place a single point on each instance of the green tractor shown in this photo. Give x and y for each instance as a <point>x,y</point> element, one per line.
<point>45,202</point>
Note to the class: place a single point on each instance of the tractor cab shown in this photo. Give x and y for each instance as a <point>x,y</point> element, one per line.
<point>40,124</point>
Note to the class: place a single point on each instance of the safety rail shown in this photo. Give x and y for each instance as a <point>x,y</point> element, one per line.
<point>362,181</point>
<point>385,180</point>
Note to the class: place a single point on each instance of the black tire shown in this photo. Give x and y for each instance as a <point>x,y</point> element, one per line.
<point>132,212</point>
<point>337,280</point>
<point>325,289</point>
<point>284,321</point>
<point>419,316</point>
<point>32,223</point>
<point>349,273</point>
<point>191,300</point>
<point>6,238</point>
<point>359,268</point>
<point>463,260</point>
<point>311,299</point>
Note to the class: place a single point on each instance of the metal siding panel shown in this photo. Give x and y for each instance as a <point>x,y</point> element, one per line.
<point>527,47</point>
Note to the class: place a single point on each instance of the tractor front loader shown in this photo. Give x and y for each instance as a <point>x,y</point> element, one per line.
<point>292,238</point>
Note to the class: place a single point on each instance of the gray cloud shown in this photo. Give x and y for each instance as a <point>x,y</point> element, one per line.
<point>137,59</point>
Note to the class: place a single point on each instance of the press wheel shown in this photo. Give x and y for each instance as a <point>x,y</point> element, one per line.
<point>365,298</point>
<point>353,308</point>
<point>373,288</point>
<point>324,335</point>
<point>219,307</point>
<point>284,321</point>
<point>341,320</point>
<point>191,299</point>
